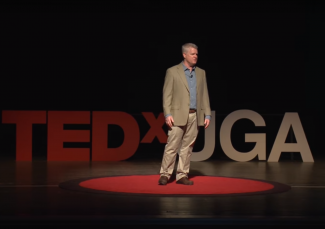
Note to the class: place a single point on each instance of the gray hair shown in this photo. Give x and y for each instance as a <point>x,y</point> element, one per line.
<point>186,46</point>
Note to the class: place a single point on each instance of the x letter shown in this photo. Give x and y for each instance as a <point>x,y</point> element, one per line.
<point>156,128</point>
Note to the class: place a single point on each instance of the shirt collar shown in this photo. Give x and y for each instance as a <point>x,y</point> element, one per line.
<point>185,68</point>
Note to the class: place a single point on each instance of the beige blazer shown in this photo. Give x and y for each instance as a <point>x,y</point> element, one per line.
<point>176,95</point>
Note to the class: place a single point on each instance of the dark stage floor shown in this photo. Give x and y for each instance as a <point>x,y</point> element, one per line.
<point>29,193</point>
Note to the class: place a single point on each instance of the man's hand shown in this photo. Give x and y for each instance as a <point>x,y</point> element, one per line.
<point>206,123</point>
<point>169,121</point>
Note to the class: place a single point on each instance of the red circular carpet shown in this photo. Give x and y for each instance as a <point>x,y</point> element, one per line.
<point>148,185</point>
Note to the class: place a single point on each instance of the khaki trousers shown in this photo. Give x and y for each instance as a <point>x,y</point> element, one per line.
<point>180,139</point>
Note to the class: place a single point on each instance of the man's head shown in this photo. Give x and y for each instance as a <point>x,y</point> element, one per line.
<point>190,53</point>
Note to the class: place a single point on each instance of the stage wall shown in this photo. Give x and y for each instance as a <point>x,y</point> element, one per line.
<point>87,59</point>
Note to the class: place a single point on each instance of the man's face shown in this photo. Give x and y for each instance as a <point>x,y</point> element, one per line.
<point>191,56</point>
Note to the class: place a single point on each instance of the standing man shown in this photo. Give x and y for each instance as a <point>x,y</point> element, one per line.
<point>186,107</point>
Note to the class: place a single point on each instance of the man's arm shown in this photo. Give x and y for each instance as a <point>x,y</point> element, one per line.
<point>206,103</point>
<point>167,98</point>
<point>168,93</point>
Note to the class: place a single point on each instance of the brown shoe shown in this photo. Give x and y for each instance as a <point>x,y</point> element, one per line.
<point>163,180</point>
<point>185,180</point>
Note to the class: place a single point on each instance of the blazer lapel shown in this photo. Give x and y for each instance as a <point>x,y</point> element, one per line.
<point>198,79</point>
<point>182,75</point>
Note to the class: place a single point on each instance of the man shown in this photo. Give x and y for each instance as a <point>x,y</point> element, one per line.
<point>186,107</point>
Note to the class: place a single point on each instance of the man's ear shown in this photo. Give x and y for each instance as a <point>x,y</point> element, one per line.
<point>184,55</point>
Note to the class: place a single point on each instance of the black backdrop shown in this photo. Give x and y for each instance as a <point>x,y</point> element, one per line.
<point>260,55</point>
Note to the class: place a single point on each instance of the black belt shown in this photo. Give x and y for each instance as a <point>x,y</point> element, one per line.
<point>192,110</point>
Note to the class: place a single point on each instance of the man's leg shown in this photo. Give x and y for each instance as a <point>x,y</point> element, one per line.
<point>188,140</point>
<point>173,143</point>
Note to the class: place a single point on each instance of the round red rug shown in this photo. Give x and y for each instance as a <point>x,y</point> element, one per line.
<point>148,185</point>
